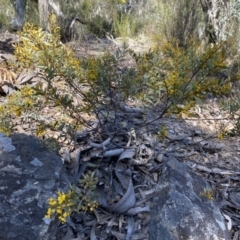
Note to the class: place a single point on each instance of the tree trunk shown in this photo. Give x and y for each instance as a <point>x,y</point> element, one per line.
<point>216,14</point>
<point>55,7</point>
<point>43,13</point>
<point>19,7</point>
<point>43,8</point>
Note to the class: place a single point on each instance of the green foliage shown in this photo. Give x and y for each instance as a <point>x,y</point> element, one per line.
<point>236,129</point>
<point>180,20</point>
<point>32,12</point>
<point>146,16</point>
<point>162,133</point>
<point>40,49</point>
<point>3,21</point>
<point>86,191</point>
<point>52,144</point>
<point>179,77</point>
<point>17,104</point>
<point>124,25</point>
<point>105,17</point>
<point>44,51</point>
<point>6,14</point>
<point>232,106</point>
<point>100,26</point>
<point>90,11</point>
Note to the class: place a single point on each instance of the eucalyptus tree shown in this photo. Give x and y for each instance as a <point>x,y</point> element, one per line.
<point>217,16</point>
<point>44,6</point>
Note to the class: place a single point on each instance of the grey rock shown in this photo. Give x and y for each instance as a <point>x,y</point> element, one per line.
<point>29,175</point>
<point>179,211</point>
<point>6,143</point>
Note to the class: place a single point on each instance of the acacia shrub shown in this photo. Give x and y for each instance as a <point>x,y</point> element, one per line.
<point>178,78</point>
<point>76,86</point>
<point>169,79</point>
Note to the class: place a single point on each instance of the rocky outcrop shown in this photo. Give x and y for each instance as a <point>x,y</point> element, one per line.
<point>181,209</point>
<point>29,175</point>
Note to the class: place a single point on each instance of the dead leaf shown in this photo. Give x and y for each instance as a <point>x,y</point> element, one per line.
<point>93,234</point>
<point>130,227</point>
<point>127,154</point>
<point>229,224</point>
<point>136,210</point>
<point>126,202</point>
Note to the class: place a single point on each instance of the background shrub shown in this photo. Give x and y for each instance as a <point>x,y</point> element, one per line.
<point>179,72</point>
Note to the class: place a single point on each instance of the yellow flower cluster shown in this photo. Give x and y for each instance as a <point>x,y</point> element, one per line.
<point>40,49</point>
<point>92,69</point>
<point>40,130</point>
<point>16,104</point>
<point>20,101</point>
<point>76,199</point>
<point>5,127</point>
<point>90,205</point>
<point>222,133</point>
<point>208,193</point>
<point>62,206</point>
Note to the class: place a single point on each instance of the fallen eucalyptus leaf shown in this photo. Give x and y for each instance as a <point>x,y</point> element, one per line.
<point>122,236</point>
<point>117,187</point>
<point>127,154</point>
<point>110,224</point>
<point>130,228</point>
<point>211,145</point>
<point>126,202</point>
<point>114,152</point>
<point>120,171</point>
<point>136,210</point>
<point>229,224</point>
<point>101,146</point>
<point>102,195</point>
<point>93,234</point>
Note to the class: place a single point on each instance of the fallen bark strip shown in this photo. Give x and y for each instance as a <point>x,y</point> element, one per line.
<point>211,170</point>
